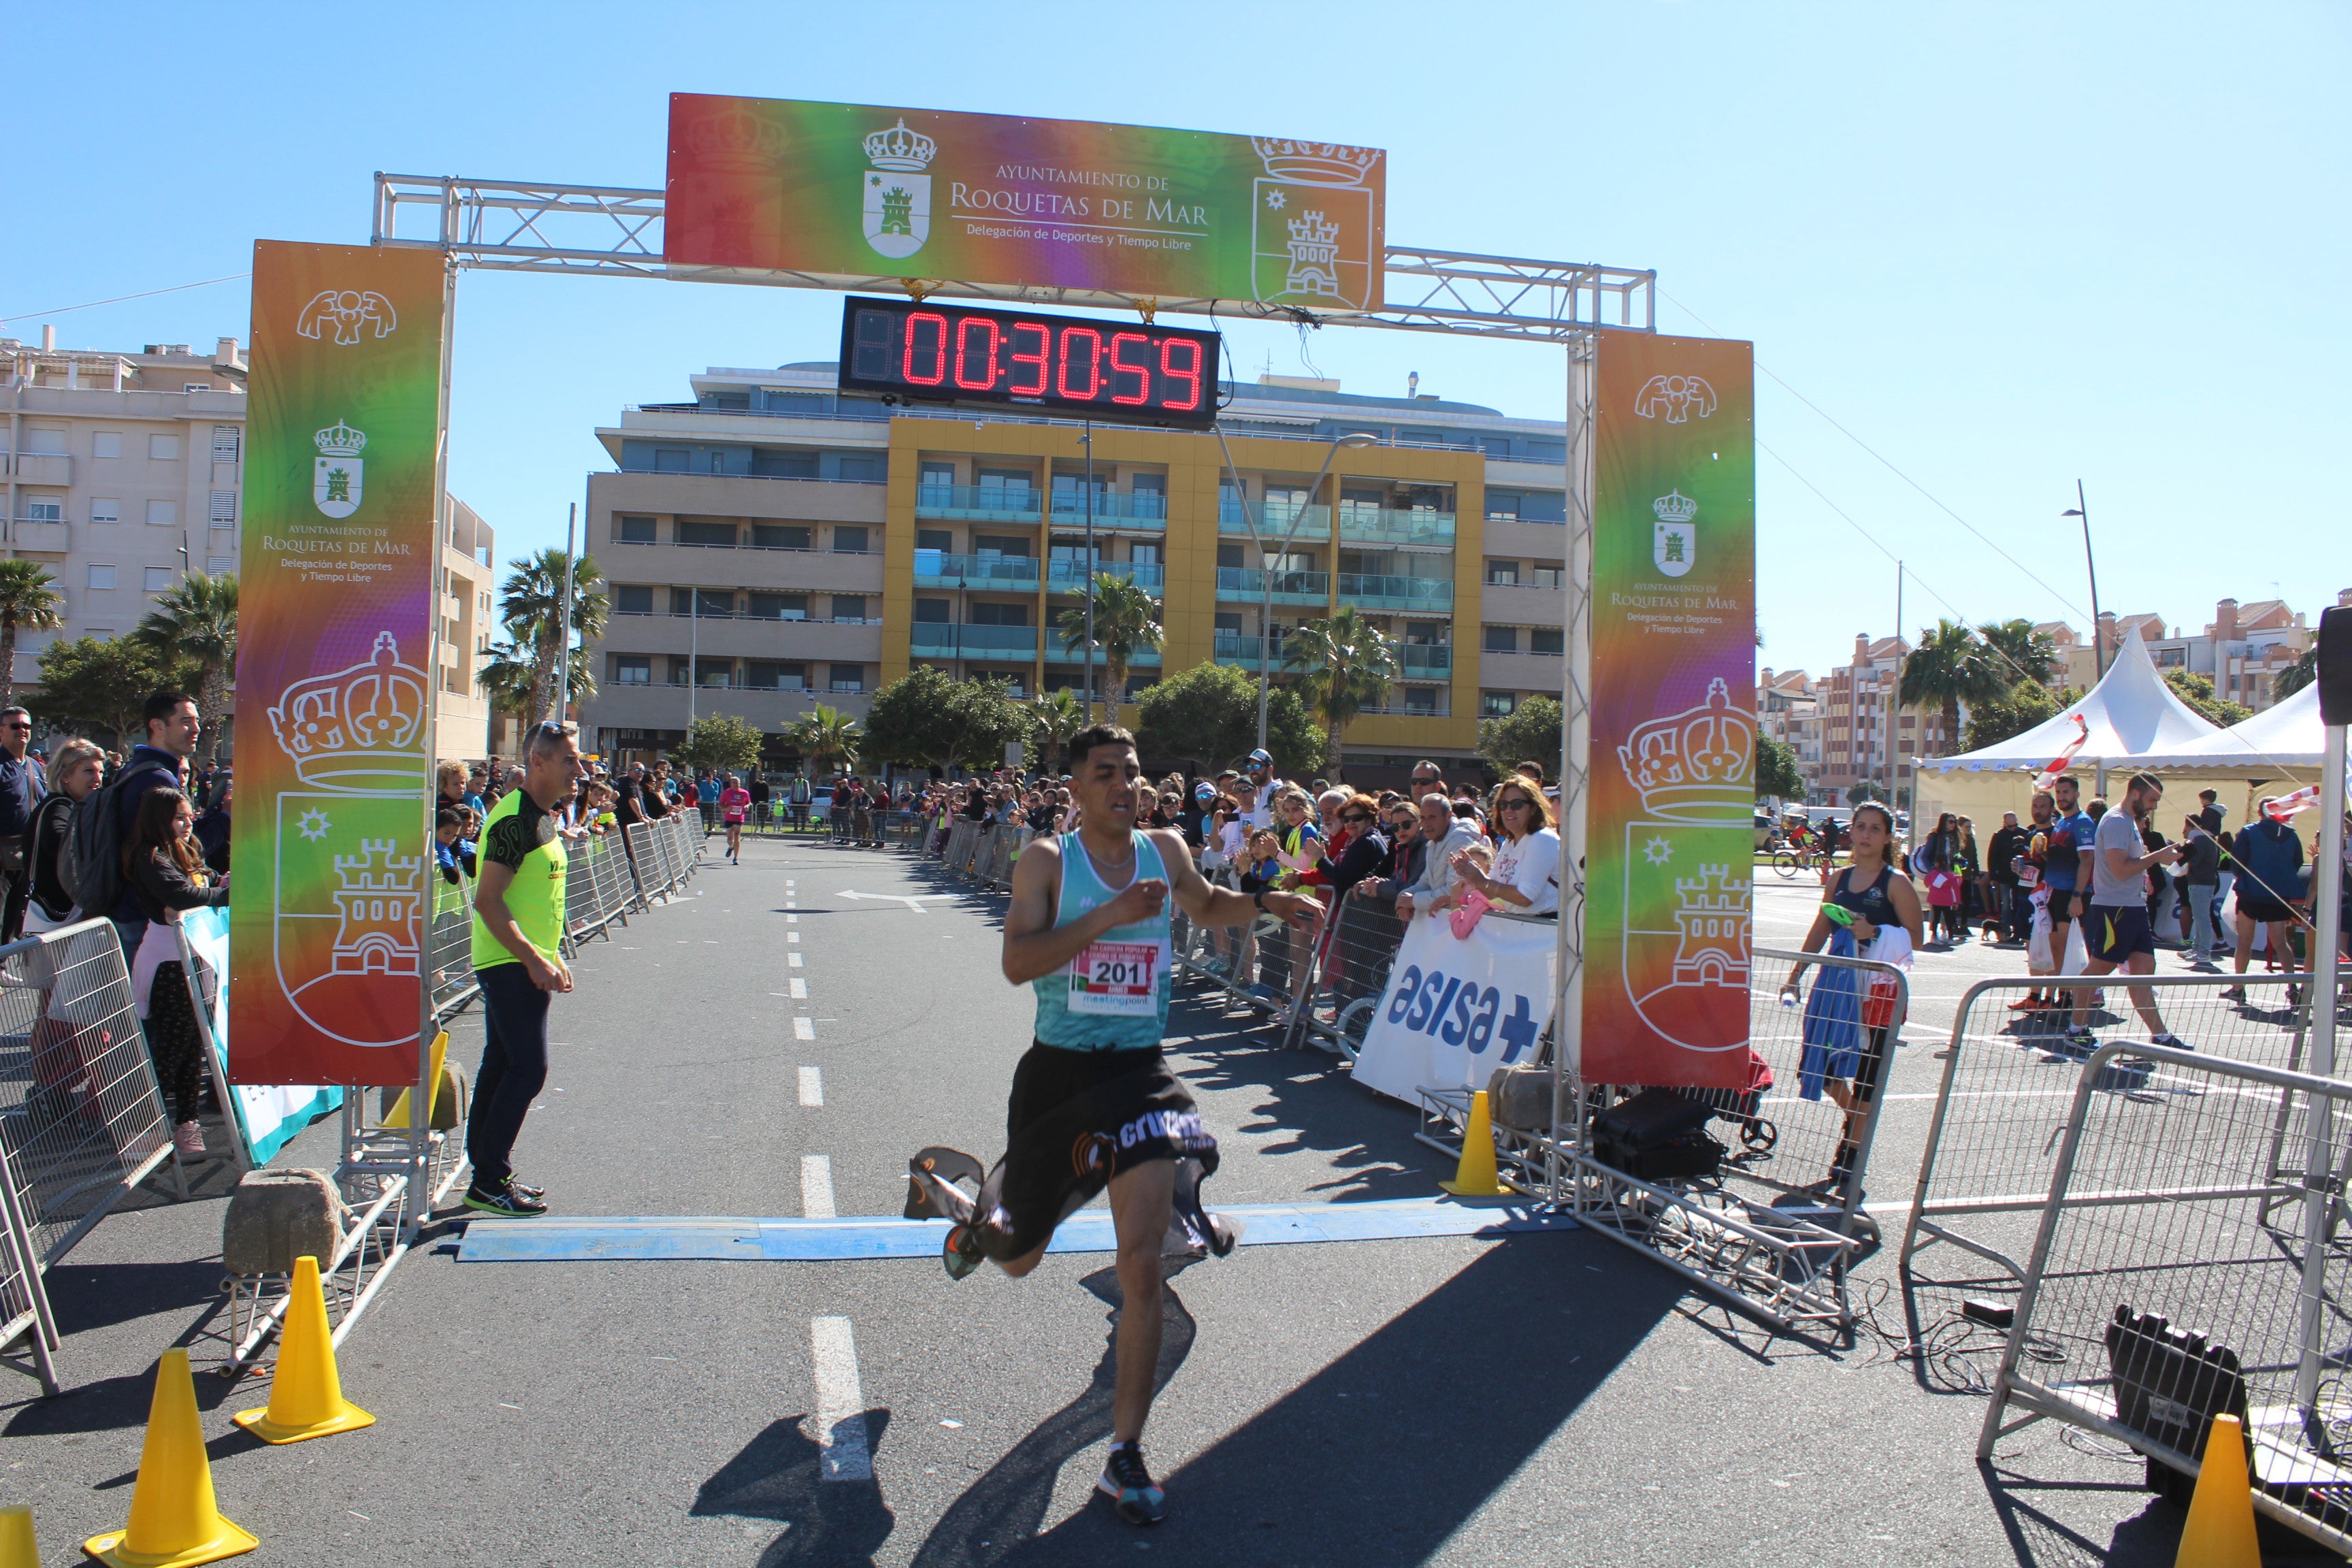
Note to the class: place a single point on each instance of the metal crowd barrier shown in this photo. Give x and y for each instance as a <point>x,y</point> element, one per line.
<point>449,946</point>
<point>1352,953</point>
<point>2009,1074</point>
<point>2140,1320</point>
<point>595,892</point>
<point>1248,964</point>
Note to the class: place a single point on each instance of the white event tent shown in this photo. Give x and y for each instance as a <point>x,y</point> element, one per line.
<point>2288,735</point>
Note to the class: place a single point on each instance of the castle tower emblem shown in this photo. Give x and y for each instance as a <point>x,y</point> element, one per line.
<point>898,192</point>
<point>1315,225</point>
<point>1314,256</point>
<point>380,904</point>
<point>335,488</point>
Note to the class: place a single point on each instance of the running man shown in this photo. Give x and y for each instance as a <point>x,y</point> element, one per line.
<point>1093,1103</point>
<point>734,803</point>
<point>2115,929</point>
<point>519,964</point>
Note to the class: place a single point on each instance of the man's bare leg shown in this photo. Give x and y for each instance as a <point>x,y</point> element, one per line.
<point>2144,997</point>
<point>1142,1200</point>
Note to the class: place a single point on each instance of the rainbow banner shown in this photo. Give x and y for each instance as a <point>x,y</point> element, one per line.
<point>1670,836</point>
<point>852,194</point>
<point>335,635</point>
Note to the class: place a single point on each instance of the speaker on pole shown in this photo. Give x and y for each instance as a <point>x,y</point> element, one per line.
<point>2335,666</point>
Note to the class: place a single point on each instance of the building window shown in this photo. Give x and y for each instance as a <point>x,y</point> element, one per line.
<point>937,485</point>
<point>770,464</point>
<point>765,675</point>
<point>216,565</point>
<point>940,539</point>
<point>848,539</point>
<point>1421,699</point>
<point>1504,505</point>
<point>783,536</point>
<point>932,612</point>
<point>45,511</point>
<point>51,443</point>
<point>1548,574</point>
<point>864,469</point>
<point>672,459</point>
<point>846,677</point>
<point>712,535</point>
<point>1498,704</point>
<point>713,604</point>
<point>99,577</point>
<point>1501,639</point>
<point>632,669</point>
<point>1494,446</point>
<point>850,607</point>
<point>159,579</point>
<point>106,444</point>
<point>633,599</point>
<point>222,511</point>
<point>162,514</point>
<point>1545,639</point>
<point>1503,572</point>
<point>780,607</point>
<point>225,443</point>
<point>634,529</point>
<point>164,448</point>
<point>1151,495</point>
<point>985,615</point>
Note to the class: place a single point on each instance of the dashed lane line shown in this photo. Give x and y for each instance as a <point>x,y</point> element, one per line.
<point>793,961</point>
<point>803,1029</point>
<point>817,1186</point>
<point>800,990</point>
<point>812,1087</point>
<point>845,1452</point>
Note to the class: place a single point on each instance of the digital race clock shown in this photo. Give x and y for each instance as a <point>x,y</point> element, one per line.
<point>1076,366</point>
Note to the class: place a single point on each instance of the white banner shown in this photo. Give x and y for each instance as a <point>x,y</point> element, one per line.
<point>1457,1008</point>
<point>265,1116</point>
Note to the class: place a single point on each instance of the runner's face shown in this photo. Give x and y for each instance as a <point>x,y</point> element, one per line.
<point>1107,783</point>
<point>2067,792</point>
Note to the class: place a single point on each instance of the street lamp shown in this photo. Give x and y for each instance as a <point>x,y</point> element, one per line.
<point>1354,440</point>
<point>2082,509</point>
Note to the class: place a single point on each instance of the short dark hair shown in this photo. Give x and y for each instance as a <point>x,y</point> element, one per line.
<point>444,818</point>
<point>2146,782</point>
<point>1094,735</point>
<point>162,705</point>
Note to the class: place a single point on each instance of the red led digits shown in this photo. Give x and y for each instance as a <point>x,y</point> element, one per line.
<point>1035,360</point>
<point>1118,367</point>
<point>1092,355</point>
<point>965,378</point>
<point>1189,373</point>
<point>937,350</point>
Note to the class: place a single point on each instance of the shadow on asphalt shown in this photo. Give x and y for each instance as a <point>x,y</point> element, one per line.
<point>776,1476</point>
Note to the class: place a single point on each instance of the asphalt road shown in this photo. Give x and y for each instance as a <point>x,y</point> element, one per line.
<point>1543,1399</point>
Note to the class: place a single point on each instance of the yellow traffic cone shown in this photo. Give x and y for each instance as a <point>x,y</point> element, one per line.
<point>17,1548</point>
<point>2221,1529</point>
<point>400,1115</point>
<point>175,1522</point>
<point>305,1396</point>
<point>1474,1177</point>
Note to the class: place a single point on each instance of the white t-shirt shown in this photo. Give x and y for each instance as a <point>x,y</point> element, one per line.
<point>1532,866</point>
<point>1262,814</point>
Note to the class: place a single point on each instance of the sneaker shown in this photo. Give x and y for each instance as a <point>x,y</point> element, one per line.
<point>2235,994</point>
<point>526,1189</point>
<point>2025,1003</point>
<point>1130,1488</point>
<point>504,1203</point>
<point>188,1141</point>
<point>2168,1038</point>
<point>2083,1039</point>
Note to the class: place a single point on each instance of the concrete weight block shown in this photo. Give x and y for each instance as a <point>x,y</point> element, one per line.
<point>277,1217</point>
<point>449,1103</point>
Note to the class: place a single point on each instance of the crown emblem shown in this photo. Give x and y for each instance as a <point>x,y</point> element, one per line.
<point>1674,507</point>
<point>908,152</point>
<point>360,731</point>
<point>1697,765</point>
<point>1314,162</point>
<point>340,440</point>
<point>735,135</point>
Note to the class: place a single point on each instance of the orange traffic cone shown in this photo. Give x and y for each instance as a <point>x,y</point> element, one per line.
<point>1474,1177</point>
<point>175,1522</point>
<point>2221,1529</point>
<point>305,1396</point>
<point>17,1548</point>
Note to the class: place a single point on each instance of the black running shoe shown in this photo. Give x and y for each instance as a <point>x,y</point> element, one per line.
<point>1130,1488</point>
<point>534,1194</point>
<point>506,1203</point>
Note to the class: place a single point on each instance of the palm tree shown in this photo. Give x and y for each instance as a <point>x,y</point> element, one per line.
<point>827,737</point>
<point>1951,666</point>
<point>28,602</point>
<point>1056,716</point>
<point>531,603</point>
<point>1351,665</point>
<point>1126,619</point>
<point>197,621</point>
<point>505,677</point>
<point>2025,653</point>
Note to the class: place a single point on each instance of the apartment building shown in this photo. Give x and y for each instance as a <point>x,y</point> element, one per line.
<point>125,470</point>
<point>2242,648</point>
<point>1789,709</point>
<point>1856,700</point>
<point>771,545</point>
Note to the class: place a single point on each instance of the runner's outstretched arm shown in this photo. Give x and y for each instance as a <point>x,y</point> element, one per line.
<point>1215,907</point>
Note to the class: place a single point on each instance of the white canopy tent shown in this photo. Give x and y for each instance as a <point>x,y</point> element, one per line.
<point>2130,714</point>
<point>2287,735</point>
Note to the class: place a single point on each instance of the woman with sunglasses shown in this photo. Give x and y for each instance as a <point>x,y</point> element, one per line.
<point>1525,878</point>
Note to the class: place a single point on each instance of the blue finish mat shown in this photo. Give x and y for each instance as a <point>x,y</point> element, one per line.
<point>596,1238</point>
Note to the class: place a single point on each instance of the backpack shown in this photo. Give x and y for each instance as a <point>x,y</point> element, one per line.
<point>89,863</point>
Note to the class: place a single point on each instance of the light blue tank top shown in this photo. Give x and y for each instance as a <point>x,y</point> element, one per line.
<point>1114,996</point>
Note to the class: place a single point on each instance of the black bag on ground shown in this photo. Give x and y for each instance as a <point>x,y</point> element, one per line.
<point>1657,1135</point>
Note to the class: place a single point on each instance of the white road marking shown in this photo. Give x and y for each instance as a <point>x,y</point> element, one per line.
<point>793,937</point>
<point>844,1452</point>
<point>817,1186</point>
<point>803,1029</point>
<point>800,991</point>
<point>792,960</point>
<point>812,1087</point>
<point>792,920</point>
<point>887,899</point>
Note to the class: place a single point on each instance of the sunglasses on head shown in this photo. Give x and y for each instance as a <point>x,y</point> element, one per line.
<point>1353,816</point>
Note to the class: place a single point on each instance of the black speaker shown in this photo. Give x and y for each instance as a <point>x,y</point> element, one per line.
<point>2336,665</point>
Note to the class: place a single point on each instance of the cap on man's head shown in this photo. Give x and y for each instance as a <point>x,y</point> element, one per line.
<point>1260,758</point>
<point>1204,791</point>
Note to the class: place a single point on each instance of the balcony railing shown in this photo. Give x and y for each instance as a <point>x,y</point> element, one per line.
<point>1359,523</point>
<point>984,503</point>
<point>946,640</point>
<point>1143,509</point>
<point>1070,576</point>
<point>795,687</point>
<point>1417,703</point>
<point>1274,518</point>
<point>1057,653</point>
<point>1395,593</point>
<point>1249,582</point>
<point>1423,658</point>
<point>938,569</point>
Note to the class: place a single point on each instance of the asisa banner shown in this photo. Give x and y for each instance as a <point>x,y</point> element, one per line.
<point>1459,1007</point>
<point>850,192</point>
<point>1670,837</point>
<point>333,702</point>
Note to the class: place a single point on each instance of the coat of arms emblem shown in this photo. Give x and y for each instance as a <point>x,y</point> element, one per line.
<point>335,478</point>
<point>1312,221</point>
<point>1675,546</point>
<point>897,192</point>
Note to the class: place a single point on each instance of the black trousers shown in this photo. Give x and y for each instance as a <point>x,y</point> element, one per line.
<point>513,1070</point>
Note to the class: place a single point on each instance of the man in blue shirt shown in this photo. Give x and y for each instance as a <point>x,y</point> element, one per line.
<point>172,727</point>
<point>2270,879</point>
<point>2067,874</point>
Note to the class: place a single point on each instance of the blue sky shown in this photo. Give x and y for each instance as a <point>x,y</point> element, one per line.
<point>2003,246</point>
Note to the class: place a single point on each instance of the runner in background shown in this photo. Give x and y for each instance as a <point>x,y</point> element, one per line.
<point>2116,929</point>
<point>734,804</point>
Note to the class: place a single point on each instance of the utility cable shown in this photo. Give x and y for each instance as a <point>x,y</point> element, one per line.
<point>118,298</point>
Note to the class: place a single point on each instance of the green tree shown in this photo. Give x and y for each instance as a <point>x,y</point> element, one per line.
<point>530,604</point>
<point>2014,712</point>
<point>1777,773</point>
<point>1951,666</point>
<point>2196,690</point>
<point>720,740</point>
<point>1127,621</point>
<point>1856,794</point>
<point>504,675</point>
<point>30,602</point>
<point>2296,675</point>
<point>1529,734</point>
<point>197,621</point>
<point>2024,653</point>
<point>1054,718</point>
<point>99,685</point>
<point>827,738</point>
<point>1208,715</point>
<point>925,718</point>
<point>1346,666</point>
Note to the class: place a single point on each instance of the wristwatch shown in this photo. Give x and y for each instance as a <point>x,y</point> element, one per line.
<point>1258,898</point>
